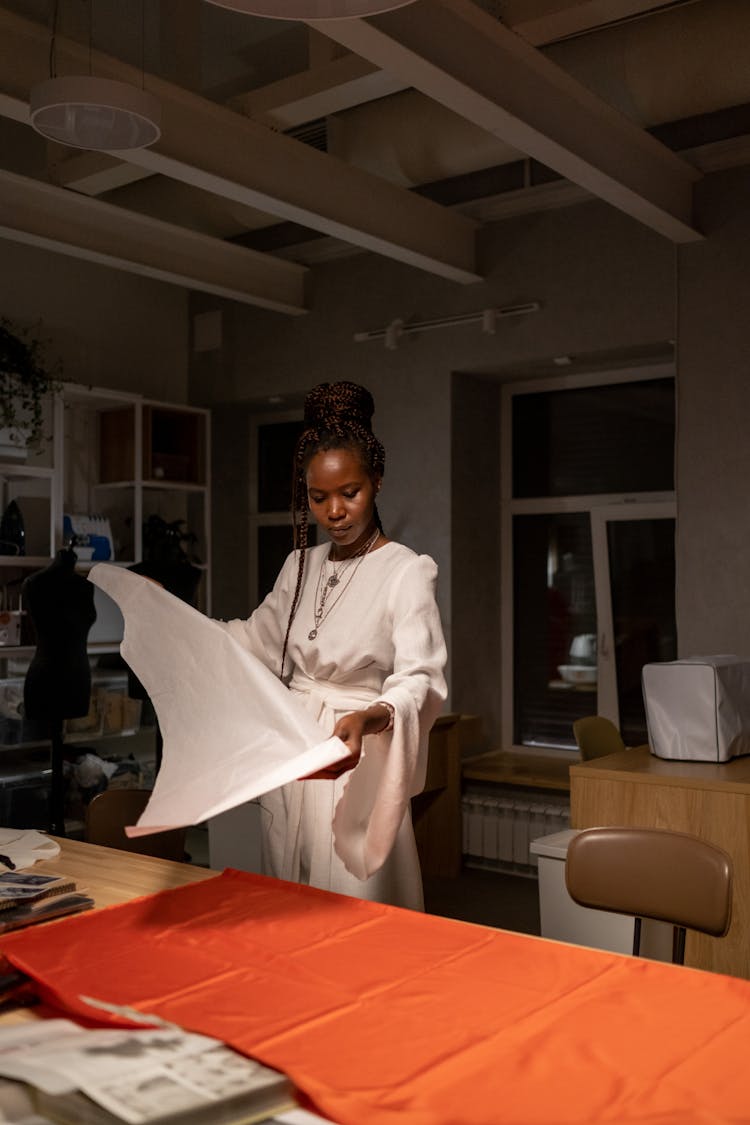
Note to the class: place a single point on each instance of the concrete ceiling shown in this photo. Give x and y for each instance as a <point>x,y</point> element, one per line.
<point>400,134</point>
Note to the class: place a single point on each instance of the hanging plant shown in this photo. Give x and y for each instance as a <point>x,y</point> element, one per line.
<point>26,379</point>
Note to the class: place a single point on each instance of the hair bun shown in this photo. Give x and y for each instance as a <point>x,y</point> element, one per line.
<point>329,403</point>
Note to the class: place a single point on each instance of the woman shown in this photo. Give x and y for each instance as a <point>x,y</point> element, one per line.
<point>351,626</point>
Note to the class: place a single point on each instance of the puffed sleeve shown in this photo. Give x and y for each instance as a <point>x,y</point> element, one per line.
<point>394,763</point>
<point>263,632</point>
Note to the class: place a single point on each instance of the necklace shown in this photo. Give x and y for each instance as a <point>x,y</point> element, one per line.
<point>326,585</point>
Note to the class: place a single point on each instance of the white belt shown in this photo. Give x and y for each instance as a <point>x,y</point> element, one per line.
<point>328,695</point>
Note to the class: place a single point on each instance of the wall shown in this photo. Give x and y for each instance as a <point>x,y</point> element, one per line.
<point>606,285</point>
<point>713,444</point>
<point>475,593</point>
<point>111,329</point>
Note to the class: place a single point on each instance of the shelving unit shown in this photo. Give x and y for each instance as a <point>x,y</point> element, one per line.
<point>115,455</point>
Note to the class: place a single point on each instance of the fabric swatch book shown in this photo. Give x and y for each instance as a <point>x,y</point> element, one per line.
<point>44,910</point>
<point>19,887</point>
<point>26,899</point>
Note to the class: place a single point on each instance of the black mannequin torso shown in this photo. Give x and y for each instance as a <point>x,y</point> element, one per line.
<point>61,605</point>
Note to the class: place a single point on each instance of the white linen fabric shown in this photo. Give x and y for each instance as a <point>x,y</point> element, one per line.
<point>381,638</point>
<point>25,846</point>
<point>230,729</point>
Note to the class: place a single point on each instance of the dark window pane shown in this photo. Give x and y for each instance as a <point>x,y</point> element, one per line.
<point>642,575</point>
<point>276,441</point>
<point>274,544</point>
<point>555,627</point>
<point>592,440</point>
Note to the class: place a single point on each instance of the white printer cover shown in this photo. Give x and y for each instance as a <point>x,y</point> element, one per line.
<point>698,709</point>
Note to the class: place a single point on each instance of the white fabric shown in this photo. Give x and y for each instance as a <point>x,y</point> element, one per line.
<point>231,730</point>
<point>698,709</point>
<point>382,638</point>
<point>25,846</point>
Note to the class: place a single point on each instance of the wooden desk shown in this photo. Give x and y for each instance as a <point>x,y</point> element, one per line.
<point>707,799</point>
<point>110,875</point>
<point>379,1013</point>
<point>509,767</point>
<point>436,811</point>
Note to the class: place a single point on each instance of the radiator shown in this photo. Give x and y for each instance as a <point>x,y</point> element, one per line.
<point>498,829</point>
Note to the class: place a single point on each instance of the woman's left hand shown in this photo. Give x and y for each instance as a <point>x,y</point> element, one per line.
<point>351,729</point>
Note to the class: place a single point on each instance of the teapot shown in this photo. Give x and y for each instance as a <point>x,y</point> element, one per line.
<point>583,648</point>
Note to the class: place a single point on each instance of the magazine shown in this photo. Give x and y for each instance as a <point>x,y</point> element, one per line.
<point>160,1076</point>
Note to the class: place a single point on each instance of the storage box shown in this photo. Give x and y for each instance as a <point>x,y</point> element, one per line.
<point>698,709</point>
<point>14,728</point>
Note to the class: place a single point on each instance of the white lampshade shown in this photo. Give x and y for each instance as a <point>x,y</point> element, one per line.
<point>95,113</point>
<point>311,9</point>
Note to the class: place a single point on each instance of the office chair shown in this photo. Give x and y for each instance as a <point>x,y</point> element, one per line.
<point>107,815</point>
<point>652,873</point>
<point>596,737</point>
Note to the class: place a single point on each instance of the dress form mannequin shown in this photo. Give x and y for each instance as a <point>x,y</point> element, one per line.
<point>58,682</point>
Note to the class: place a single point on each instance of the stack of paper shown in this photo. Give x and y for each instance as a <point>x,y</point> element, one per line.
<point>27,898</point>
<point>149,1077</point>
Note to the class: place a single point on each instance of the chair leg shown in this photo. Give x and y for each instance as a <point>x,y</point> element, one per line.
<point>636,937</point>
<point>678,945</point>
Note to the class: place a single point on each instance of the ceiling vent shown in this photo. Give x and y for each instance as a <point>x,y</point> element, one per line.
<point>314,134</point>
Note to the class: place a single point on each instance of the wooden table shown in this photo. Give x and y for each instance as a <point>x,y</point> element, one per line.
<point>710,800</point>
<point>378,1013</point>
<point>436,811</point>
<point>509,767</point>
<point>110,876</point>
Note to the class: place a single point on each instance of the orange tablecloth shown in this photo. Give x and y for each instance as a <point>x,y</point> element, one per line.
<point>385,1016</point>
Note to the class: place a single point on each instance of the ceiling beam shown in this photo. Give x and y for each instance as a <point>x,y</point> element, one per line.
<point>50,217</point>
<point>457,54</point>
<point>329,88</point>
<point>547,21</point>
<point>91,173</point>
<point>213,148</point>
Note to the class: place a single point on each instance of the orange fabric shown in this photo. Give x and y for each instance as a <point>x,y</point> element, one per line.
<point>384,1016</point>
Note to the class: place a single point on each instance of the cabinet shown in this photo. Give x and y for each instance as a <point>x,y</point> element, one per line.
<point>125,459</point>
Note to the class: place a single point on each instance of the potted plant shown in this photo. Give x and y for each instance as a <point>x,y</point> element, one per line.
<point>26,379</point>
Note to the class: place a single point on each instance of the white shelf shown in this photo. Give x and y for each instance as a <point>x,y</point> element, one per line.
<point>173,486</point>
<point>7,652</point>
<point>22,471</point>
<point>100,648</point>
<point>97,736</point>
<point>34,561</point>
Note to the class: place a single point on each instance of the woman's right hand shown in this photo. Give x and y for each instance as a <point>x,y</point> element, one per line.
<point>351,729</point>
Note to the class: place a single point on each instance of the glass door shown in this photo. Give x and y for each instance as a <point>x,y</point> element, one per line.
<point>634,567</point>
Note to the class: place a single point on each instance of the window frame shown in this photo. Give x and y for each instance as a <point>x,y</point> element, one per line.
<point>625,503</point>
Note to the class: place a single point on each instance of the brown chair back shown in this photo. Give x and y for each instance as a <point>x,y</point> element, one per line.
<point>596,737</point>
<point>652,873</point>
<point>109,813</point>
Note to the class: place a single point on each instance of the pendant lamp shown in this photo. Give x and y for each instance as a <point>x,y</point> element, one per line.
<point>95,113</point>
<point>309,10</point>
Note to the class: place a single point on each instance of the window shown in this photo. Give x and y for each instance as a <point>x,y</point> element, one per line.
<point>588,558</point>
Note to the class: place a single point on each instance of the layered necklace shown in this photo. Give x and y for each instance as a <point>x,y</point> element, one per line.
<point>340,576</point>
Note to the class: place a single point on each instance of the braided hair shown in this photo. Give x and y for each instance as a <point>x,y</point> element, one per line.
<point>337,416</point>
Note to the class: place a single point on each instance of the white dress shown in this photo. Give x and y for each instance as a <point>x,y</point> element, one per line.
<point>381,638</point>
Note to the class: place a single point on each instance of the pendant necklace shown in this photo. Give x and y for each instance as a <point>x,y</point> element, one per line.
<point>326,585</point>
